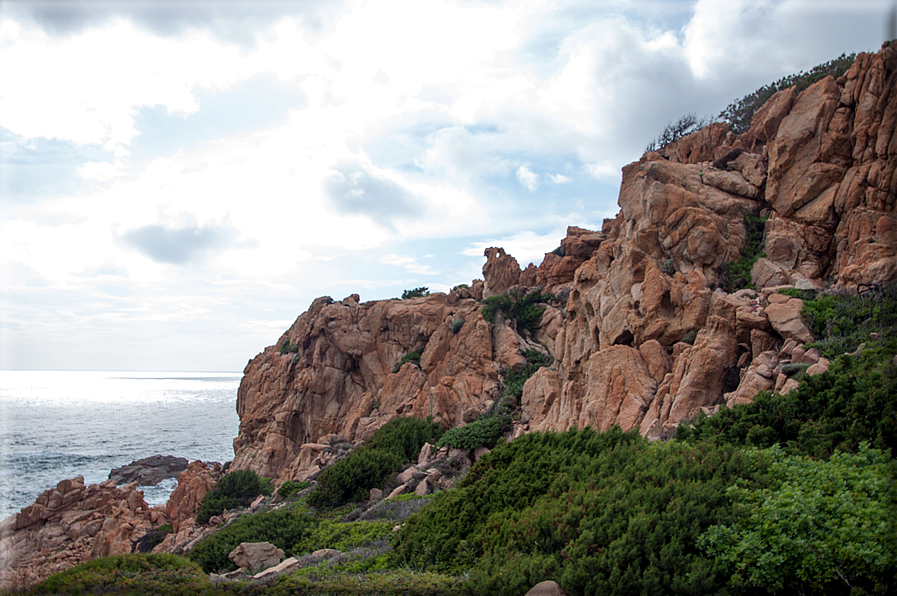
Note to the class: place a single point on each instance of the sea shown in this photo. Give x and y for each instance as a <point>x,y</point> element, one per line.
<point>61,424</point>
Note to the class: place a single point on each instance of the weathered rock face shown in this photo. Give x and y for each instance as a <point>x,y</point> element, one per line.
<point>193,484</point>
<point>149,471</point>
<point>70,524</point>
<point>820,164</point>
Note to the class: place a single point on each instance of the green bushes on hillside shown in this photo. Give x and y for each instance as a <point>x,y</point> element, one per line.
<point>597,512</point>
<point>350,479</point>
<point>820,527</point>
<point>526,310</point>
<point>736,275</point>
<point>236,489</point>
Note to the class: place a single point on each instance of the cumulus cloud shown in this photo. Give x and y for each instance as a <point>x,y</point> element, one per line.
<point>357,188</point>
<point>527,246</point>
<point>560,179</point>
<point>183,244</point>
<point>527,178</point>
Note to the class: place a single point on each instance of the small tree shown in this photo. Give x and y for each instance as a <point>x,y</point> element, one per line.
<point>416,293</point>
<point>674,131</point>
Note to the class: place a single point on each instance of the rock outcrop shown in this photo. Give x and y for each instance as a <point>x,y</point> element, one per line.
<point>70,524</point>
<point>149,471</point>
<point>642,335</point>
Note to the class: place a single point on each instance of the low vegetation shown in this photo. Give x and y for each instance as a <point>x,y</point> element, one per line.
<point>413,356</point>
<point>236,489</point>
<point>674,131</point>
<point>416,293</point>
<point>352,478</point>
<point>736,275</point>
<point>524,309</point>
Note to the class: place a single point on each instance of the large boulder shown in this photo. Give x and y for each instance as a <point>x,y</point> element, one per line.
<point>255,556</point>
<point>149,471</point>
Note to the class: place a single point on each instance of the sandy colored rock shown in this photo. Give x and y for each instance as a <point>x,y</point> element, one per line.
<point>786,320</point>
<point>255,556</point>
<point>546,588</point>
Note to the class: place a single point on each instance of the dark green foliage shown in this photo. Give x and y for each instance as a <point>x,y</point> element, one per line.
<point>409,357</point>
<point>739,113</point>
<point>834,530</point>
<point>416,293</point>
<point>690,336</point>
<point>291,487</point>
<point>159,574</point>
<point>461,287</point>
<point>405,436</point>
<point>234,490</point>
<point>284,528</point>
<point>350,579</point>
<point>515,378</point>
<point>457,323</point>
<point>352,478</point>
<point>737,274</point>
<point>486,431</point>
<point>854,401</point>
<point>479,433</point>
<point>795,371</point>
<point>601,513</point>
<point>525,310</point>
<point>287,348</point>
<point>674,131</point>
<point>668,267</point>
<point>843,322</point>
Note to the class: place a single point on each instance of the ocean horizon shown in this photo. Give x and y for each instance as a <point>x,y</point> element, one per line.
<point>61,424</point>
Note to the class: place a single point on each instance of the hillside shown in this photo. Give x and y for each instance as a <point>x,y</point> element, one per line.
<point>726,340</point>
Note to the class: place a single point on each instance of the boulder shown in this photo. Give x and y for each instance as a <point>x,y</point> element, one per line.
<point>546,588</point>
<point>255,556</point>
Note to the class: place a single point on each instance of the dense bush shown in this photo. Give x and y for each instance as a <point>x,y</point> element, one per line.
<point>736,275</point>
<point>287,348</point>
<point>413,356</point>
<point>515,378</point>
<point>350,479</point>
<point>159,574</point>
<point>854,401</point>
<point>843,321</point>
<point>484,432</point>
<point>740,113</point>
<point>833,530</point>
<point>291,487</point>
<point>600,513</point>
<point>416,293</point>
<point>525,310</point>
<point>234,490</point>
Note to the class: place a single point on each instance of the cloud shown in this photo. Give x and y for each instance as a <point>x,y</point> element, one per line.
<point>560,178</point>
<point>527,246</point>
<point>357,188</point>
<point>410,264</point>
<point>183,244</point>
<point>528,179</point>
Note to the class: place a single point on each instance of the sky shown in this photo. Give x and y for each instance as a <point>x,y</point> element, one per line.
<point>180,179</point>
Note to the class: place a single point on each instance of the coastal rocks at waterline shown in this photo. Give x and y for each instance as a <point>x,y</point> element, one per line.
<point>70,524</point>
<point>149,471</point>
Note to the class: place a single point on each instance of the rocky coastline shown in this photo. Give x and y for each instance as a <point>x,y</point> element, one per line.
<point>641,329</point>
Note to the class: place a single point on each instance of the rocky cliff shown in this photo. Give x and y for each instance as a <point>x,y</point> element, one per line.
<point>819,165</point>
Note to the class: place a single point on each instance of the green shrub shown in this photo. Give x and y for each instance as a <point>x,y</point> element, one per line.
<point>284,528</point>
<point>852,402</point>
<point>740,113</point>
<point>601,513</point>
<point>335,580</point>
<point>525,310</point>
<point>736,275</point>
<point>416,293</point>
<point>690,336</point>
<point>842,321</point>
<point>352,478</point>
<point>154,574</point>
<point>409,357</point>
<point>457,323</point>
<point>461,287</point>
<point>291,487</point>
<point>234,490</point>
<point>287,348</point>
<point>516,378</point>
<point>834,530</point>
<point>405,436</point>
<point>668,267</point>
<point>484,432</point>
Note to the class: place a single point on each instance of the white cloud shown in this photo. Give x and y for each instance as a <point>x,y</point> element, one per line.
<point>527,246</point>
<point>560,178</point>
<point>528,179</point>
<point>100,170</point>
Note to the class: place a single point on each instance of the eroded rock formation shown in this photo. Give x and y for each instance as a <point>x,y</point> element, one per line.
<point>70,524</point>
<point>820,164</point>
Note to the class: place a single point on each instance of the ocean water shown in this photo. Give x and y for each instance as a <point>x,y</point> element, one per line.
<point>62,424</point>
